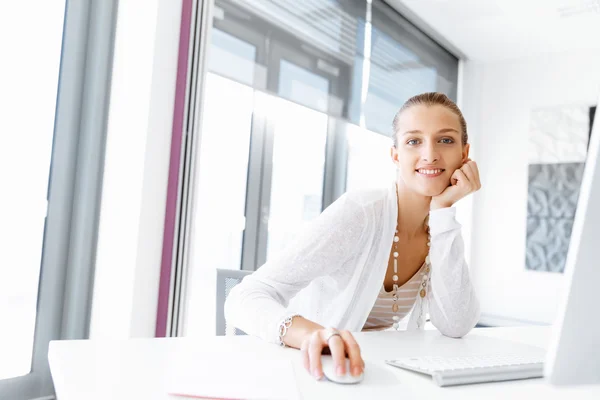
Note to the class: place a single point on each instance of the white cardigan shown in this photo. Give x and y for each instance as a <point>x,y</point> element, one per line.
<point>332,271</point>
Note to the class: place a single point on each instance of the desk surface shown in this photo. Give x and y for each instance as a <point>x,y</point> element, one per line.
<point>137,368</point>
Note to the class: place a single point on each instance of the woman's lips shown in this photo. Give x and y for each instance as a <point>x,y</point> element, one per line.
<point>430,172</point>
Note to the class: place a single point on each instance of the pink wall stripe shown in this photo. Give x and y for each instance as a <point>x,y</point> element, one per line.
<point>162,312</point>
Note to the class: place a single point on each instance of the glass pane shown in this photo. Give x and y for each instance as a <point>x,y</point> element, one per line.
<point>222,172</point>
<point>302,86</point>
<point>298,169</point>
<point>396,75</point>
<point>29,80</point>
<point>231,57</point>
<point>327,24</point>
<point>369,160</point>
<point>403,62</point>
<point>220,198</point>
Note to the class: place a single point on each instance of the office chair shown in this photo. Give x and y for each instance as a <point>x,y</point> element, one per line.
<point>226,280</point>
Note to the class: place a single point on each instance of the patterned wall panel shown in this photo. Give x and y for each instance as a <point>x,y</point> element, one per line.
<point>558,144</point>
<point>552,200</point>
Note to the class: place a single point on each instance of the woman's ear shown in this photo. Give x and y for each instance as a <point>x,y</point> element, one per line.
<point>394,154</point>
<point>465,152</point>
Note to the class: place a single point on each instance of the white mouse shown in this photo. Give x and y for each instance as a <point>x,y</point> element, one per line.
<point>329,371</point>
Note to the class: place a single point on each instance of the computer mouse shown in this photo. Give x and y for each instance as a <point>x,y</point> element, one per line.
<point>329,371</point>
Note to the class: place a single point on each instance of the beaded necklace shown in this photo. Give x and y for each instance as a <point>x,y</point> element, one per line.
<point>423,286</point>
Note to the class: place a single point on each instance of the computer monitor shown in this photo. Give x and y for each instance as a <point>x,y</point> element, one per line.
<point>574,351</point>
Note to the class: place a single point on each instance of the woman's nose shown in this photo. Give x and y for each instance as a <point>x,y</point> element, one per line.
<point>430,153</point>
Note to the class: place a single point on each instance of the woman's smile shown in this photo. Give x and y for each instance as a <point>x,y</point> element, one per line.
<point>430,172</point>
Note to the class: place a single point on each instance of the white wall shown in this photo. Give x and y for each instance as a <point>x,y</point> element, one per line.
<point>136,170</point>
<point>500,98</point>
<point>467,103</point>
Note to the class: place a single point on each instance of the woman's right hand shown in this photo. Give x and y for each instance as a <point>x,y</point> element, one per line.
<point>339,345</point>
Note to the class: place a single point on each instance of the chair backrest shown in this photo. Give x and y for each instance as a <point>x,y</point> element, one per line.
<point>226,280</point>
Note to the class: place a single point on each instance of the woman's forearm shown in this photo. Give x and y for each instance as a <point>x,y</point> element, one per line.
<point>453,305</point>
<point>259,314</point>
<point>456,312</point>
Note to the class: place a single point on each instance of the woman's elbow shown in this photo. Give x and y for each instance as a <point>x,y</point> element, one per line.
<point>456,331</point>
<point>231,306</point>
<point>455,325</point>
<point>459,326</point>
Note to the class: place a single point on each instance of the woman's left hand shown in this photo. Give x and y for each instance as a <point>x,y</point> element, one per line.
<point>463,182</point>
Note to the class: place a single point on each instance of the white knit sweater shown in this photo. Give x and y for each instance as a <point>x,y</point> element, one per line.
<point>332,271</point>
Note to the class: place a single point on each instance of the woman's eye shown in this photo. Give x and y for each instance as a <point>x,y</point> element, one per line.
<point>447,141</point>
<point>412,142</point>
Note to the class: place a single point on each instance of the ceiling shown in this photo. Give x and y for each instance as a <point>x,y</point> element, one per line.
<point>493,30</point>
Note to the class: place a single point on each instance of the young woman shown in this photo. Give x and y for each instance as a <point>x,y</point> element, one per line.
<point>375,259</point>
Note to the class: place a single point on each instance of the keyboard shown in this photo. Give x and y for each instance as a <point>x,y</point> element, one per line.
<point>449,371</point>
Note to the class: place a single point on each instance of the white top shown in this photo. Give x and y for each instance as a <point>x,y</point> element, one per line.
<point>382,316</point>
<point>332,271</point>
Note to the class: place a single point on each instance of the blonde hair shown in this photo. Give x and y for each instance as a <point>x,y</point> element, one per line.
<point>431,99</point>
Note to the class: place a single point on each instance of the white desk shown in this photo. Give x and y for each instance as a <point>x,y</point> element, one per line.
<point>138,369</point>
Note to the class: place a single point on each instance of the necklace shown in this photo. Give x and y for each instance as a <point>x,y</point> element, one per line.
<point>423,285</point>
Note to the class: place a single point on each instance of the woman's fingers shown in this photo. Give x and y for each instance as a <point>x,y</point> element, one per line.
<point>338,353</point>
<point>457,176</point>
<point>304,353</point>
<point>339,345</point>
<point>466,169</point>
<point>315,347</point>
<point>475,169</point>
<point>356,362</point>
<point>472,172</point>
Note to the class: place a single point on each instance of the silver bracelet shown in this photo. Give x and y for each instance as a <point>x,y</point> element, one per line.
<point>284,326</point>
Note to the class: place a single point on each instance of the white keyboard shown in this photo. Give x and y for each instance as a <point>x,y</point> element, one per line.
<point>448,371</point>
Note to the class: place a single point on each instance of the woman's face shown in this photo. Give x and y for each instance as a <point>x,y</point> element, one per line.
<point>429,148</point>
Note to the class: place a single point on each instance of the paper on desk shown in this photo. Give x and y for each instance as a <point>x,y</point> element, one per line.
<point>217,376</point>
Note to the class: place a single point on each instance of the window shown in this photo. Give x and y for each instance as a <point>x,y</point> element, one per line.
<point>298,166</point>
<point>50,195</point>
<point>298,103</point>
<point>25,151</point>
<point>369,163</point>
<point>403,62</point>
